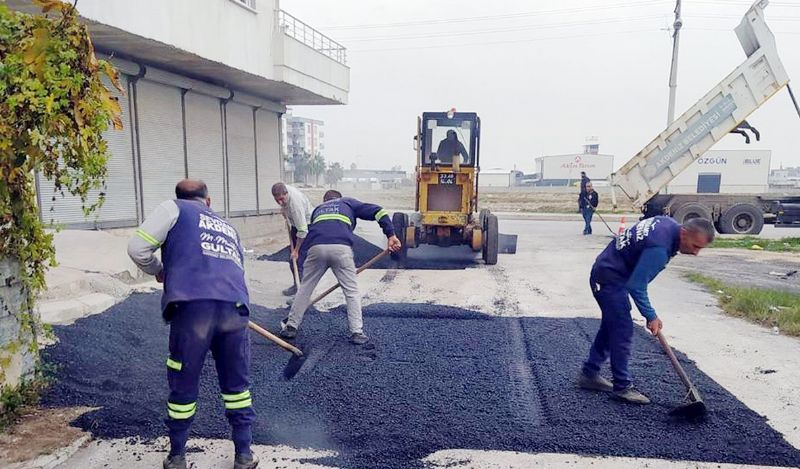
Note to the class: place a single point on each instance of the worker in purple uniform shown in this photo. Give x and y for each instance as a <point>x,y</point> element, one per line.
<point>206,303</point>
<point>625,267</point>
<point>328,245</point>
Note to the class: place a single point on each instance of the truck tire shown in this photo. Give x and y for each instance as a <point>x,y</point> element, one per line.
<point>400,222</point>
<point>492,236</point>
<point>482,218</point>
<point>742,219</point>
<point>691,210</point>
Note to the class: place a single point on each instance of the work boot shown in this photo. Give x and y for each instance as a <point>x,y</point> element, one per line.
<point>245,461</point>
<point>291,291</point>
<point>287,331</point>
<point>359,338</point>
<point>175,462</point>
<point>595,383</point>
<point>630,394</point>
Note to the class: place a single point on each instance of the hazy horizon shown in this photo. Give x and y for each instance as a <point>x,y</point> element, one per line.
<point>541,77</point>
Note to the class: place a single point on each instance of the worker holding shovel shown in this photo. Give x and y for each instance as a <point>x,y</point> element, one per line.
<point>626,266</point>
<point>206,304</point>
<point>296,209</point>
<point>329,246</point>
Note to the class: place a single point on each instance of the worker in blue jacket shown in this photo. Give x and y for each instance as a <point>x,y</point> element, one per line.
<point>625,268</point>
<point>328,245</point>
<point>206,303</point>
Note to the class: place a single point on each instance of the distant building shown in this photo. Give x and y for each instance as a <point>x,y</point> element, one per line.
<point>303,135</point>
<point>784,178</point>
<point>496,177</point>
<point>374,179</point>
<point>565,170</point>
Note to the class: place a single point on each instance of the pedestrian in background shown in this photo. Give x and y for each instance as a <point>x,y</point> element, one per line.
<point>296,209</point>
<point>588,204</point>
<point>206,304</point>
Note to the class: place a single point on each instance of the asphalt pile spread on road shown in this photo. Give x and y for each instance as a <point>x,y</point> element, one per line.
<point>432,378</point>
<point>421,258</point>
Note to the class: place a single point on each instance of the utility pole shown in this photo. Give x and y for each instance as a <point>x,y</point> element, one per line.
<point>673,72</point>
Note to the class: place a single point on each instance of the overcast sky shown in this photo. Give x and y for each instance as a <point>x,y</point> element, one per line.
<point>541,75</point>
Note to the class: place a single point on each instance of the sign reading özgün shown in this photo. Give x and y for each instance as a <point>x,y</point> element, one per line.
<point>693,134</point>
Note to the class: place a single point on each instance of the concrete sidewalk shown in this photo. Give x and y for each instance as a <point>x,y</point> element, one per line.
<point>93,273</point>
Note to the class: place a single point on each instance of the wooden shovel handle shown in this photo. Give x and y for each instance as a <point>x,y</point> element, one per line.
<point>675,364</point>
<point>295,273</point>
<point>358,271</point>
<point>270,336</point>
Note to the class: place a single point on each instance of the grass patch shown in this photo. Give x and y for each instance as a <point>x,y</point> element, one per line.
<point>766,307</point>
<point>747,242</point>
<point>16,401</point>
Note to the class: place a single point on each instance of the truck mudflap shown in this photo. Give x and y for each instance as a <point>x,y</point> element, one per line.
<point>720,111</point>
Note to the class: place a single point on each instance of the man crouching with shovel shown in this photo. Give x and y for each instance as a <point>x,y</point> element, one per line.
<point>328,245</point>
<point>625,267</point>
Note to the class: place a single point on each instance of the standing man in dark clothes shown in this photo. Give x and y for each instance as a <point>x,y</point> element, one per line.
<point>588,204</point>
<point>329,245</point>
<point>624,268</point>
<point>584,180</point>
<point>206,303</point>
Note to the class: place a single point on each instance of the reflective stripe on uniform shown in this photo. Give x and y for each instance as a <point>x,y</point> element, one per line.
<point>381,213</point>
<point>175,365</point>
<point>332,216</point>
<point>181,411</point>
<point>237,401</point>
<point>147,237</point>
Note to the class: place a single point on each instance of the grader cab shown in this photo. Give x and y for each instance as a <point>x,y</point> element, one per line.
<point>448,165</point>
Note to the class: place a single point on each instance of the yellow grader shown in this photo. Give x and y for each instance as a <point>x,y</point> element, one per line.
<point>447,171</point>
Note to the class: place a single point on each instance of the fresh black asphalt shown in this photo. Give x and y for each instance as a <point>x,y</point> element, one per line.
<point>432,378</point>
<point>419,258</point>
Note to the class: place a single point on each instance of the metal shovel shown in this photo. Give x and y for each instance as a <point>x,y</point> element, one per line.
<point>694,406</point>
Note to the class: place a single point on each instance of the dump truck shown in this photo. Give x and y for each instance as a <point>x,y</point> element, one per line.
<point>721,111</point>
<point>447,145</point>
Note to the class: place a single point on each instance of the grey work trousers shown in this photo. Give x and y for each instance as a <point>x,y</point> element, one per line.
<point>320,258</point>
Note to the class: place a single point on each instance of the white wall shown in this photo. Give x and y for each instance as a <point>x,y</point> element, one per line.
<point>570,166</point>
<point>742,172</point>
<point>494,179</point>
<point>220,30</point>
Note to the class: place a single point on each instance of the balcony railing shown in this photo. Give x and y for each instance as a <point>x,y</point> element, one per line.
<point>309,36</point>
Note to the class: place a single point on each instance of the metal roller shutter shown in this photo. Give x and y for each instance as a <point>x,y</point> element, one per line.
<point>204,148</point>
<point>242,194</point>
<point>119,208</point>
<point>269,157</point>
<point>160,141</point>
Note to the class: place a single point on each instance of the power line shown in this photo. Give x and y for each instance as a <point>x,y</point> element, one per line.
<point>494,17</point>
<point>527,14</point>
<point>504,30</point>
<point>516,41</point>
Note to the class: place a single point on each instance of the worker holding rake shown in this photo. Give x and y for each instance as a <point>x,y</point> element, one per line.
<point>329,246</point>
<point>296,208</point>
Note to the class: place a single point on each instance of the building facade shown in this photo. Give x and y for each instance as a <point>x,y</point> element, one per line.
<point>565,170</point>
<point>205,90</point>
<point>303,135</point>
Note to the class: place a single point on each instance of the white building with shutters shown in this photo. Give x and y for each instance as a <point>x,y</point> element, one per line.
<point>206,85</point>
